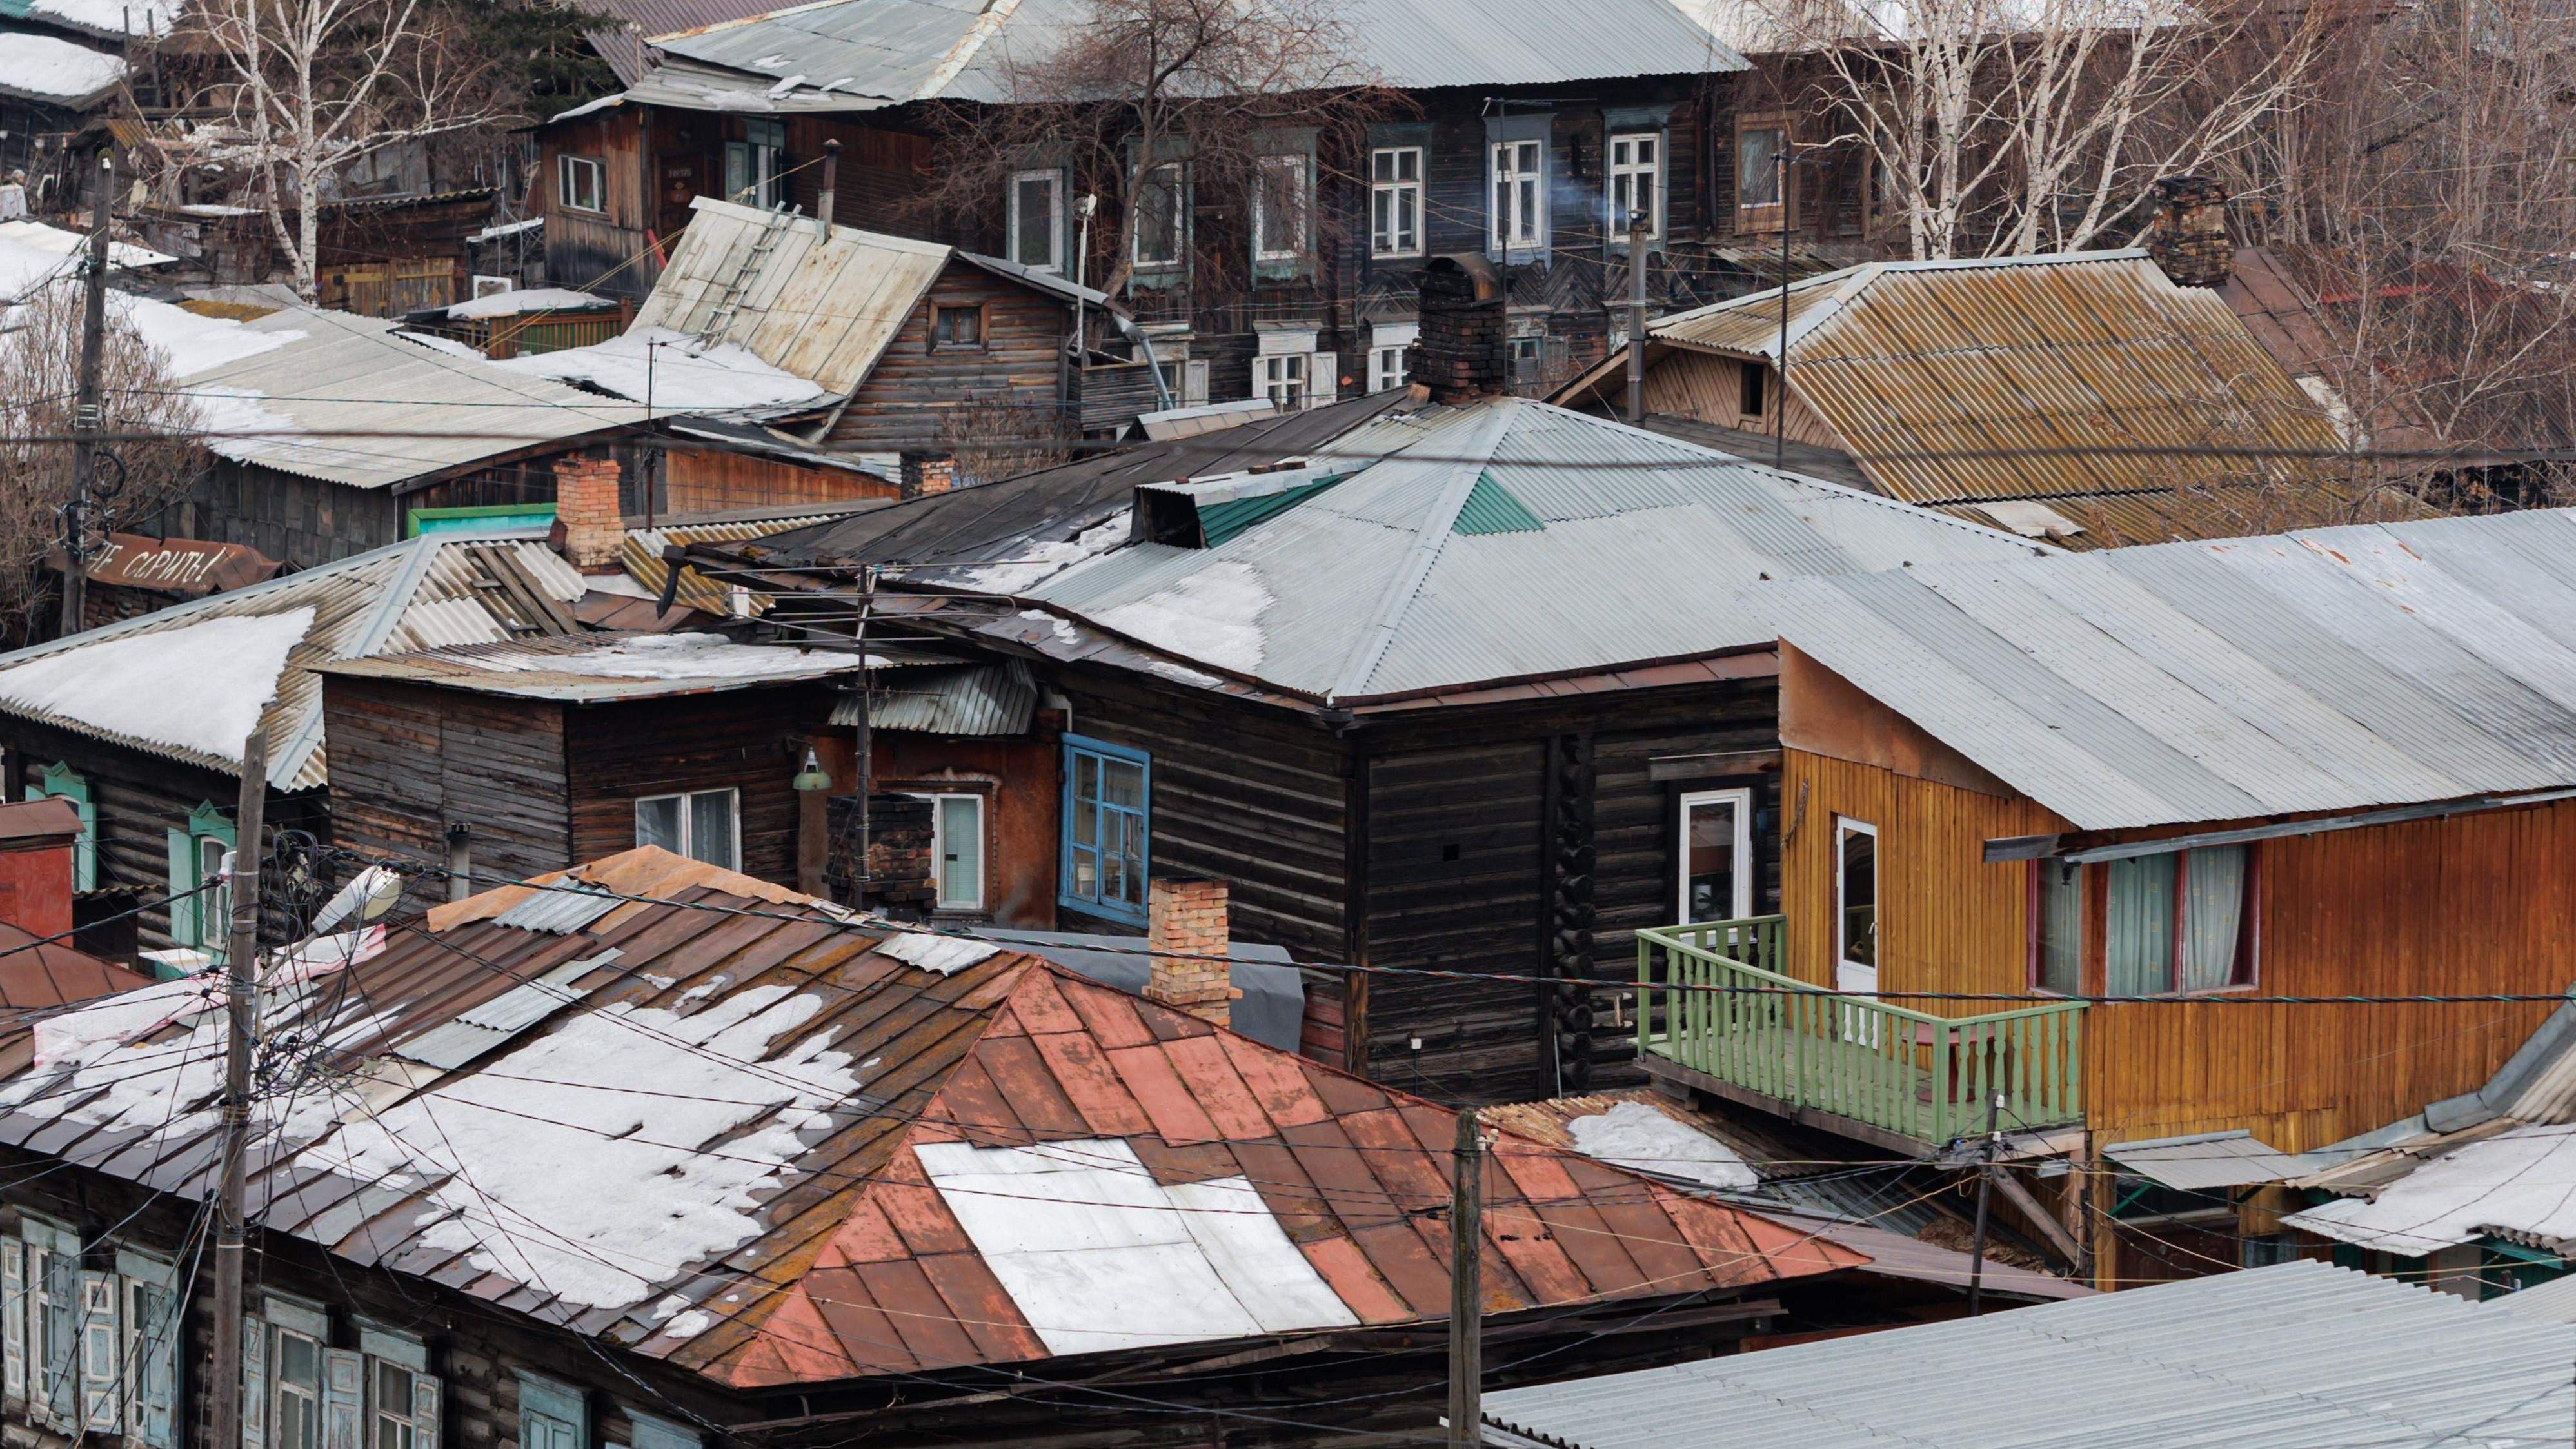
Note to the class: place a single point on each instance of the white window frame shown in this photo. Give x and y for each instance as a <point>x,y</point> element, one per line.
<point>1517,180</point>
<point>1616,171</point>
<point>1303,184</point>
<point>1742,800</point>
<point>1282,378</point>
<point>1054,179</point>
<point>1386,368</point>
<point>688,817</point>
<point>1180,230</point>
<point>939,848</point>
<point>1845,825</point>
<point>1388,233</point>
<point>568,166</point>
<point>1771,215</point>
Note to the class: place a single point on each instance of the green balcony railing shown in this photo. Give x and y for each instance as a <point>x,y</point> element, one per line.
<point>1712,997</point>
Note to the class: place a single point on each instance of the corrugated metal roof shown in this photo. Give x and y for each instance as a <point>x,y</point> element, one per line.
<point>449,588</point>
<point>349,374</point>
<point>2207,1160</point>
<point>595,668</point>
<point>835,1062</point>
<point>640,555</point>
<point>821,310</point>
<point>958,699</point>
<point>2329,669</point>
<point>855,54</point>
<point>2295,1356</point>
<point>1370,589</point>
<point>1915,364</point>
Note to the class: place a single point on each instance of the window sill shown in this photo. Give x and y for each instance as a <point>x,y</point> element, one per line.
<point>1414,255</point>
<point>1134,916</point>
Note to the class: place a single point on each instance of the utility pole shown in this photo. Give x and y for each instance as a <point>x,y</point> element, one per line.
<point>1985,1190</point>
<point>241,967</point>
<point>1467,1286</point>
<point>1780,404</point>
<point>859,868</point>
<point>1637,221</point>
<point>85,404</point>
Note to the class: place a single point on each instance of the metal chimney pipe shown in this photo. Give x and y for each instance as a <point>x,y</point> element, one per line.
<point>831,183</point>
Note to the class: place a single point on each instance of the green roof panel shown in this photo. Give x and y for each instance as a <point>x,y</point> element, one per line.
<point>1221,521</point>
<point>1491,508</point>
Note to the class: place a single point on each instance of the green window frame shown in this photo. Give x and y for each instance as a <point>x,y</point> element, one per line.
<point>195,917</point>
<point>552,1415</point>
<point>60,781</point>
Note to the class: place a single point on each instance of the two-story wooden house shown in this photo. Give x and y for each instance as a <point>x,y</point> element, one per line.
<point>2111,837</point>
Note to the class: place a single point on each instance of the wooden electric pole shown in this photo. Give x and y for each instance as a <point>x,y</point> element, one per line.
<point>86,402</point>
<point>1986,1170</point>
<point>241,969</point>
<point>1637,222</point>
<point>1467,1286</point>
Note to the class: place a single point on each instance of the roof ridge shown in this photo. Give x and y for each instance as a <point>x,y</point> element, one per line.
<point>1378,634</point>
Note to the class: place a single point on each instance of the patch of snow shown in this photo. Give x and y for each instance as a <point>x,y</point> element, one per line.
<point>586,107</point>
<point>1634,1134</point>
<point>190,344</point>
<point>674,375</point>
<point>784,86</point>
<point>24,269</point>
<point>84,1037</point>
<point>109,17</point>
<point>769,62</point>
<point>2521,1182</point>
<point>513,228</point>
<point>198,687</point>
<point>689,1324</point>
<point>1213,615</point>
<point>55,241</point>
<point>50,69</point>
<point>663,656</point>
<point>208,208</point>
<point>529,299</point>
<point>1036,561</point>
<point>436,343</point>
<point>1182,674</point>
<point>1137,1262</point>
<point>1063,627</point>
<point>946,955</point>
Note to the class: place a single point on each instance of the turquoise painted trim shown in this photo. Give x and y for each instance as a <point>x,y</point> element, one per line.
<point>1219,522</point>
<point>421,521</point>
<point>60,781</point>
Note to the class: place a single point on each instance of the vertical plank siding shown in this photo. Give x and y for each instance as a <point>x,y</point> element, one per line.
<point>917,396</point>
<point>2477,903</point>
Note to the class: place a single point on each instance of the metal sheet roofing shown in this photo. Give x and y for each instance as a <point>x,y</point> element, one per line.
<point>949,699</point>
<point>853,54</point>
<point>347,374</point>
<point>599,668</point>
<point>439,589</point>
<point>2295,1356</point>
<point>820,309</point>
<point>2328,669</point>
<point>1925,371</point>
<point>867,1086</point>
<point>1373,588</point>
<point>2206,1160</point>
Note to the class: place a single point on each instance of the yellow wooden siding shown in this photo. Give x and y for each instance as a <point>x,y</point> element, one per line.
<point>2479,903</point>
<point>1686,384</point>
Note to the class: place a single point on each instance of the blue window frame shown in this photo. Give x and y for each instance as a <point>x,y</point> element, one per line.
<point>1107,804</point>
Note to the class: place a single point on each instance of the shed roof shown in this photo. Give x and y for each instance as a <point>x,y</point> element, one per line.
<point>56,72</point>
<point>191,681</point>
<point>857,54</point>
<point>1928,371</point>
<point>2328,669</point>
<point>601,668</point>
<point>904,1118</point>
<point>2286,1357</point>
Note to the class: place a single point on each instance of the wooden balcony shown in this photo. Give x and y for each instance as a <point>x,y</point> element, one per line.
<point>1715,1011</point>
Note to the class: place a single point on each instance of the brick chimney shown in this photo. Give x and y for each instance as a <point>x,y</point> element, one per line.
<point>2190,239</point>
<point>1187,917</point>
<point>927,473</point>
<point>587,513</point>
<point>1459,354</point>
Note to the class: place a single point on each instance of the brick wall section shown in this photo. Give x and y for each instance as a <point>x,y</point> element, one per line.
<point>1459,354</point>
<point>2190,241</point>
<point>1187,918</point>
<point>586,505</point>
<point>927,473</point>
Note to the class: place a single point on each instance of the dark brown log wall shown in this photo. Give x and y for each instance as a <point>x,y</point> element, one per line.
<point>914,395</point>
<point>751,740</point>
<point>407,759</point>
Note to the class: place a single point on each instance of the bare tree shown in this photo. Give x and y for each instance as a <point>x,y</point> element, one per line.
<point>314,87</point>
<point>39,353</point>
<point>2008,127</point>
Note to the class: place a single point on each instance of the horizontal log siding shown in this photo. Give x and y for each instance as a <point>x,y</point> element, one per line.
<point>406,760</point>
<point>913,395</point>
<point>748,739</point>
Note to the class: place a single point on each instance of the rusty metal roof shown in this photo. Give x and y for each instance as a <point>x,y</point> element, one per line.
<point>901,1116</point>
<point>35,976</point>
<point>598,668</point>
<point>2005,377</point>
<point>185,566</point>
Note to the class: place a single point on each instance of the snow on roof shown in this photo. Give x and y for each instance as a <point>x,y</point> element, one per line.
<point>55,241</point>
<point>570,1157</point>
<point>530,299</point>
<point>114,19</point>
<point>672,372</point>
<point>606,666</point>
<point>187,682</point>
<point>44,68</point>
<point>1636,1135</point>
<point>507,228</point>
<point>436,343</point>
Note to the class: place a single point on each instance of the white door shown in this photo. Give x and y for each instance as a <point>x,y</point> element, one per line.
<point>1856,916</point>
<point>1716,856</point>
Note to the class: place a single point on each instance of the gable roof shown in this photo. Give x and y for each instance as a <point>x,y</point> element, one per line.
<point>531,1077</point>
<point>1500,539</point>
<point>191,681</point>
<point>1925,371</point>
<point>851,55</point>
<point>2329,669</point>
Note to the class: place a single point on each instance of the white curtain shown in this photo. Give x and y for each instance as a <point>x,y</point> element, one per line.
<point>2213,912</point>
<point>2137,925</point>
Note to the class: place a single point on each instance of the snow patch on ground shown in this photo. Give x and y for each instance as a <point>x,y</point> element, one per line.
<point>1635,1135</point>
<point>1214,616</point>
<point>198,687</point>
<point>1036,560</point>
<point>672,372</point>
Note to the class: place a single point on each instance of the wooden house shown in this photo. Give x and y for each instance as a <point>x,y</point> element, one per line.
<point>534,1242</point>
<point>2188,778</point>
<point>2089,399</point>
<point>1365,690</point>
<point>141,723</point>
<point>531,756</point>
<point>1641,108</point>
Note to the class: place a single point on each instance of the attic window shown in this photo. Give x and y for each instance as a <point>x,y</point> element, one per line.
<point>1491,508</point>
<point>957,327</point>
